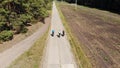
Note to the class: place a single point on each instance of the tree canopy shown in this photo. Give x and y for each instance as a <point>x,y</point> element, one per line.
<point>16,14</point>
<point>111,5</point>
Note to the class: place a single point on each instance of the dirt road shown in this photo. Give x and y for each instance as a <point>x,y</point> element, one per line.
<point>11,54</point>
<point>58,52</point>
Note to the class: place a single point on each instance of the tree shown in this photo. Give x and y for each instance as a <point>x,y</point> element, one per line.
<point>111,5</point>
<point>16,14</point>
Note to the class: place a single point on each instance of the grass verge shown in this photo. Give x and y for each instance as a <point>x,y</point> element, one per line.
<point>31,58</point>
<point>82,60</point>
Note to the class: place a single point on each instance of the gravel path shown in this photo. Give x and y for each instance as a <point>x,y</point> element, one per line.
<point>11,54</point>
<point>58,51</point>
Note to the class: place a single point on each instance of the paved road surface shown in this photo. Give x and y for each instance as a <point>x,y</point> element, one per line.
<point>58,52</point>
<point>11,54</point>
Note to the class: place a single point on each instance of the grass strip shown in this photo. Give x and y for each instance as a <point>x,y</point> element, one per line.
<point>32,57</point>
<point>81,58</point>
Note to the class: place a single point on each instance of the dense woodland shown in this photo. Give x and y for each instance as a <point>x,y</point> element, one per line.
<point>111,5</point>
<point>15,15</point>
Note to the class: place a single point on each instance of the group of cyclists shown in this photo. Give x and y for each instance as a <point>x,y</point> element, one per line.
<point>62,33</point>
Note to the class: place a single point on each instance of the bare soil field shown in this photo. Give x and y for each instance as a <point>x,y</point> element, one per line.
<point>99,33</point>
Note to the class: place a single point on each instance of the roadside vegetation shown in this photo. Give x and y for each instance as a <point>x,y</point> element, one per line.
<point>32,57</point>
<point>16,15</point>
<point>82,60</point>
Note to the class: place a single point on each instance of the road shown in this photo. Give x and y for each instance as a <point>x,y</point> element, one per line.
<point>11,54</point>
<point>58,52</point>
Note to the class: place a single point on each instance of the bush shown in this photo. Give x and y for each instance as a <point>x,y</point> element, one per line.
<point>6,35</point>
<point>2,24</point>
<point>24,30</point>
<point>43,12</point>
<point>25,18</point>
<point>49,6</point>
<point>17,26</point>
<point>2,18</point>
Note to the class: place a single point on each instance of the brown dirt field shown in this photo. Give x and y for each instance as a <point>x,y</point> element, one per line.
<point>100,38</point>
<point>19,37</point>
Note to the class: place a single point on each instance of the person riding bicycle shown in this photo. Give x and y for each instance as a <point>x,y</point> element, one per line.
<point>63,33</point>
<point>52,33</point>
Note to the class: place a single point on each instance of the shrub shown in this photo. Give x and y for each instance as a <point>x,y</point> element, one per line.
<point>2,18</point>
<point>24,30</point>
<point>2,24</point>
<point>49,6</point>
<point>43,12</point>
<point>17,26</point>
<point>6,35</point>
<point>25,18</point>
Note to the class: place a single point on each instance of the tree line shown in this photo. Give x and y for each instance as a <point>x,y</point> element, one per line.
<point>15,15</point>
<point>111,5</point>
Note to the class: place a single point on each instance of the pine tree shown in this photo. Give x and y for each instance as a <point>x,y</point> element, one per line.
<point>16,14</point>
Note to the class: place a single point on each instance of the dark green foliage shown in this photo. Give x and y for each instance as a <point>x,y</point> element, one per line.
<point>24,30</point>
<point>15,15</point>
<point>2,26</point>
<point>111,5</point>
<point>25,18</point>
<point>17,26</point>
<point>6,35</point>
<point>43,12</point>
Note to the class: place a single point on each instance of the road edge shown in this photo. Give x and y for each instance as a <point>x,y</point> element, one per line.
<point>80,56</point>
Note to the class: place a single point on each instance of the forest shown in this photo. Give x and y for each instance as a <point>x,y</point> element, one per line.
<point>15,15</point>
<point>111,5</point>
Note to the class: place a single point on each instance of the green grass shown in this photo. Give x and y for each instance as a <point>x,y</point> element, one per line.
<point>32,58</point>
<point>82,60</point>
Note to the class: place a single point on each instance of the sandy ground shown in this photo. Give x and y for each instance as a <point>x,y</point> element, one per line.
<point>9,55</point>
<point>58,51</point>
<point>100,38</point>
<point>19,37</point>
